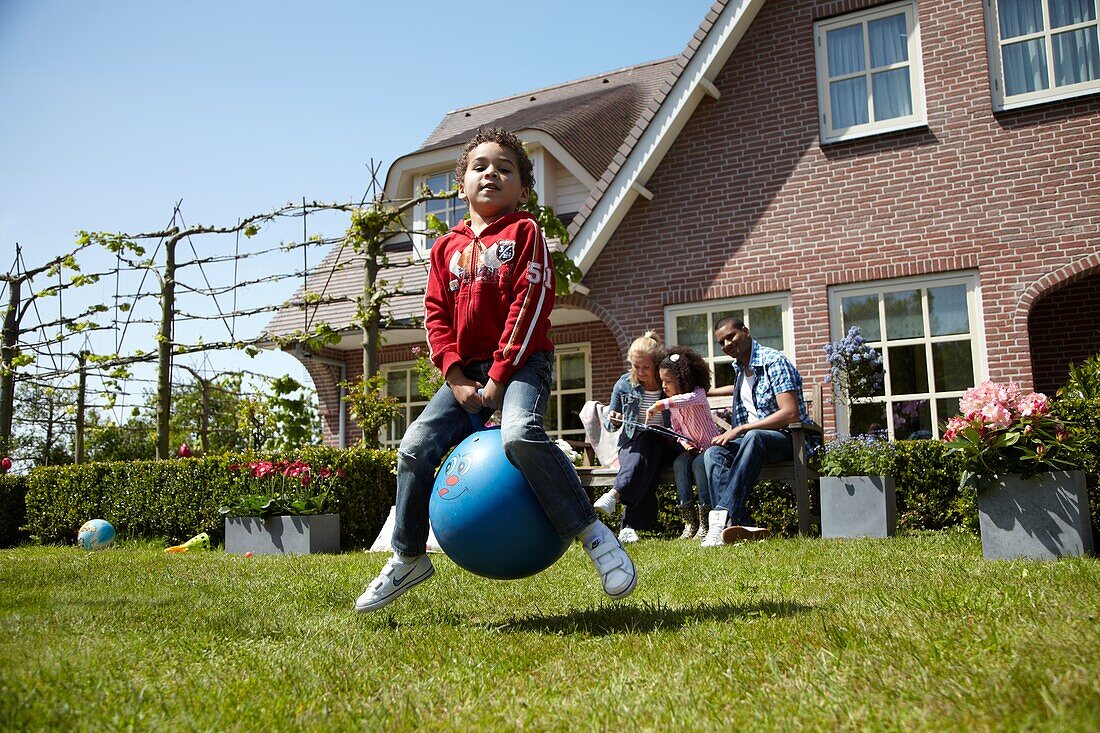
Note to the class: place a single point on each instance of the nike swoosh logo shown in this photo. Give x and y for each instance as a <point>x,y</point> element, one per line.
<point>399,581</point>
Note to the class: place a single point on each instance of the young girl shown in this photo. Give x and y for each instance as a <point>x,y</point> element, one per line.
<point>686,376</point>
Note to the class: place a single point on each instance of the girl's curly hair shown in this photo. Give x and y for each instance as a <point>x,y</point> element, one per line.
<point>506,140</point>
<point>689,370</point>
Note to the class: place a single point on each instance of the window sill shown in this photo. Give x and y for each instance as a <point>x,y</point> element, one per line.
<point>1031,101</point>
<point>859,135</point>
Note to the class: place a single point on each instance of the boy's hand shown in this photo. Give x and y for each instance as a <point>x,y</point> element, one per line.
<point>653,410</point>
<point>493,394</point>
<point>465,390</point>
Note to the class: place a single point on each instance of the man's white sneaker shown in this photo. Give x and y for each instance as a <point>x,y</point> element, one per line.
<point>616,570</point>
<point>396,577</point>
<point>716,522</point>
<point>606,503</point>
<point>627,535</point>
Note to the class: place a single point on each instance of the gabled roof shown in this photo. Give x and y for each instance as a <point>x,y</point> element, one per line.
<point>589,117</point>
<point>646,144</point>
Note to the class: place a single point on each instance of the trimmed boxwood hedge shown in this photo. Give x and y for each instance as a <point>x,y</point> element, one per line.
<point>176,499</point>
<point>13,509</point>
<point>927,485</point>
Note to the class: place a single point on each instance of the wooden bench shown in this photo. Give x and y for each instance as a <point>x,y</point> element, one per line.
<point>796,473</point>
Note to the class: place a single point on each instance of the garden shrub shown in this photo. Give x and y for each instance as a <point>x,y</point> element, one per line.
<point>13,509</point>
<point>1078,404</point>
<point>176,499</point>
<point>926,480</point>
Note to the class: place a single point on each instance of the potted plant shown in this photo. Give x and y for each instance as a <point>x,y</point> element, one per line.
<point>293,517</point>
<point>857,487</point>
<point>855,369</point>
<point>1024,464</point>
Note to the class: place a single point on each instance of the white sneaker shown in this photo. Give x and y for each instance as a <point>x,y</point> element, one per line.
<point>612,563</point>
<point>397,576</point>
<point>716,523</point>
<point>627,535</point>
<point>606,503</point>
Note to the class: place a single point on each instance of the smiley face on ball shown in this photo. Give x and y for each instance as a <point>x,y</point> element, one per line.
<point>453,483</point>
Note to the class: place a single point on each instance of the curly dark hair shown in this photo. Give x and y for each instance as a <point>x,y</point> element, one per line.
<point>688,369</point>
<point>504,139</point>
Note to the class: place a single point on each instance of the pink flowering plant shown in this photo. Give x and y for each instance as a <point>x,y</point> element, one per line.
<point>1003,430</point>
<point>293,487</point>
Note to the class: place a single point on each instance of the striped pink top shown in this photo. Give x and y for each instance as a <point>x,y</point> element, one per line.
<point>691,417</point>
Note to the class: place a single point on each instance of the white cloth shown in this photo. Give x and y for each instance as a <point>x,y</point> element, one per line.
<point>605,443</point>
<point>382,542</point>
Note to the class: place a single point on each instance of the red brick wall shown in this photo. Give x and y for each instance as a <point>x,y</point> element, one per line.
<point>1064,328</point>
<point>607,363</point>
<point>747,201</point>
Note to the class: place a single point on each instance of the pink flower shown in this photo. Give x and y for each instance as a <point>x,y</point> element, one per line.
<point>5,464</point>
<point>997,414</point>
<point>184,451</point>
<point>324,472</point>
<point>1060,434</point>
<point>1033,405</point>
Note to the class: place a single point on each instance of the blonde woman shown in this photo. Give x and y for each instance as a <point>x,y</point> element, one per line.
<point>642,453</point>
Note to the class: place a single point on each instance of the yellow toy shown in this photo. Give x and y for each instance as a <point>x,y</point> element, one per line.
<point>200,541</point>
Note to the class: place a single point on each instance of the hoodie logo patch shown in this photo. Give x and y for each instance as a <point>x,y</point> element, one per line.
<point>506,249</point>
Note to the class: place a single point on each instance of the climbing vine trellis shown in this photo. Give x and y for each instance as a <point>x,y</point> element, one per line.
<point>34,345</point>
<point>167,256</point>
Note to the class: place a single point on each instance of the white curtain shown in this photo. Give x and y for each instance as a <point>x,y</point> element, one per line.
<point>891,90</point>
<point>1025,67</point>
<point>1068,12</point>
<point>1019,17</point>
<point>1076,56</point>
<point>848,98</point>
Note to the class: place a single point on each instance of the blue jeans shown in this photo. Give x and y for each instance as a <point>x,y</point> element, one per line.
<point>733,469</point>
<point>640,463</point>
<point>690,471</point>
<point>444,424</point>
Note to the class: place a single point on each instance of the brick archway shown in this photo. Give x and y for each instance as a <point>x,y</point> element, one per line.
<point>1062,314</point>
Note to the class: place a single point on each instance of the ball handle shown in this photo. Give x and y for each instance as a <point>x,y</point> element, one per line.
<point>475,417</point>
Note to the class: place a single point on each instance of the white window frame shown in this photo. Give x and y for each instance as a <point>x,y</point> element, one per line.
<point>880,288</point>
<point>914,63</point>
<point>556,431</point>
<point>1001,101</point>
<point>715,355</point>
<point>411,399</point>
<point>422,243</point>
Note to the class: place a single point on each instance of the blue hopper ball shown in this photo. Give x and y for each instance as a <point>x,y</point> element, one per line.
<point>485,515</point>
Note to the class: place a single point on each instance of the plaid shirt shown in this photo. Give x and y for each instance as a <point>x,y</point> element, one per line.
<point>774,374</point>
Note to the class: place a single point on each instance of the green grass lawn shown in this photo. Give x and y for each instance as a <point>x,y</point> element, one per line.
<point>912,633</point>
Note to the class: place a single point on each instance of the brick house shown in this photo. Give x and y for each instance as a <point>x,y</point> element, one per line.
<point>927,170</point>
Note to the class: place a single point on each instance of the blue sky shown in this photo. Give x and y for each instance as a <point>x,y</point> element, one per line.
<point>115,110</point>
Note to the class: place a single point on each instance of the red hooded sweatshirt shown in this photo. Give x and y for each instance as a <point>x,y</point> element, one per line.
<point>490,296</point>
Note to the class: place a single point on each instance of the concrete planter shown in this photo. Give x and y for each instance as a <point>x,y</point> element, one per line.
<point>293,535</point>
<point>1040,518</point>
<point>858,506</point>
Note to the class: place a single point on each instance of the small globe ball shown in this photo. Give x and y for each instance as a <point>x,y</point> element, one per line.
<point>485,516</point>
<point>95,534</point>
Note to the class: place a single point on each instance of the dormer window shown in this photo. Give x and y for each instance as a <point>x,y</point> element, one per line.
<point>450,211</point>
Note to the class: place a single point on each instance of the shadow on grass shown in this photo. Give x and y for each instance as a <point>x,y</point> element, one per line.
<point>607,619</point>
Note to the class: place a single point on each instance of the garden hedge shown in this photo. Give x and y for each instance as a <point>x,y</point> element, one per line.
<point>13,509</point>
<point>176,499</point>
<point>927,485</point>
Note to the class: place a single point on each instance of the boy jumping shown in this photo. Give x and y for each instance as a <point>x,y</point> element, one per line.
<point>487,312</point>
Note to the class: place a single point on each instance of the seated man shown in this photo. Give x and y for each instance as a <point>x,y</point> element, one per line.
<point>767,396</point>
